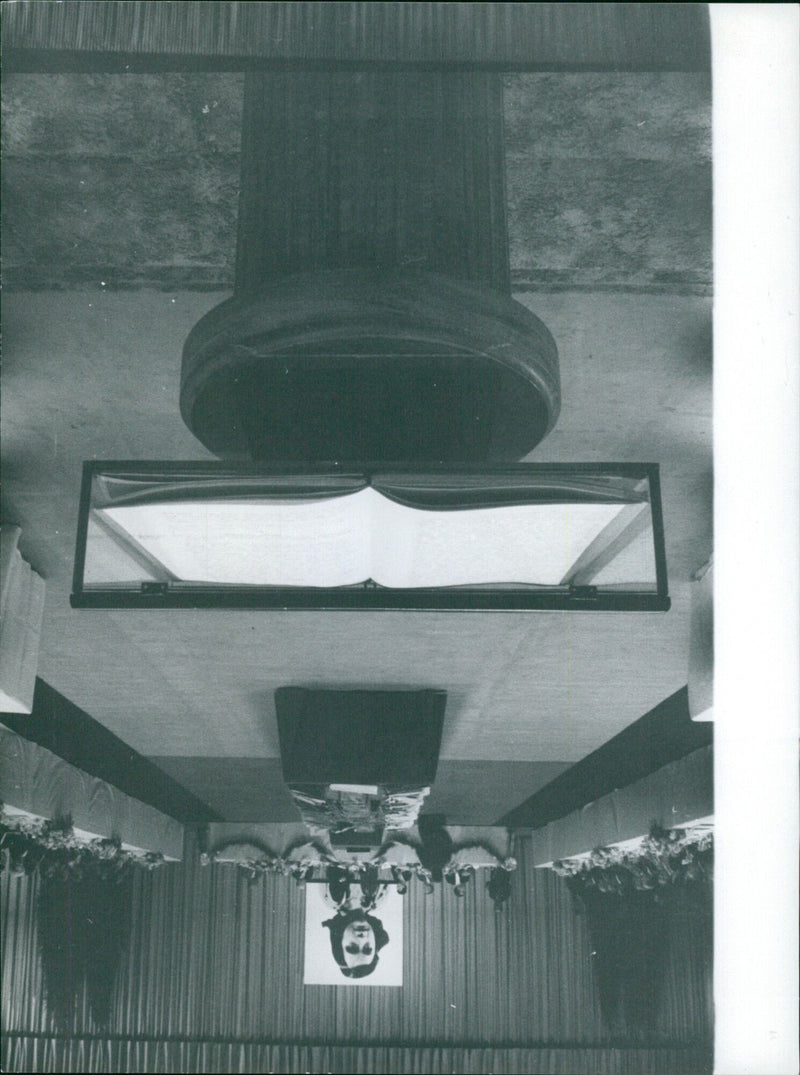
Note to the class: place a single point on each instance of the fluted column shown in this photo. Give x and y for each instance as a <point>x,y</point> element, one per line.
<point>371,318</point>
<point>380,169</point>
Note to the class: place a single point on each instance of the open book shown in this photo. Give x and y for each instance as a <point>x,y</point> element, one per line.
<point>348,539</point>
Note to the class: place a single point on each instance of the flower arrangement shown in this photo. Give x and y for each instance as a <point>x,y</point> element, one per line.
<point>51,848</point>
<point>84,891</point>
<point>665,858</point>
<point>633,900</point>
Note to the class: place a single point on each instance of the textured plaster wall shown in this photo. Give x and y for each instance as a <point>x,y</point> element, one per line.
<point>132,180</point>
<point>120,180</point>
<point>609,180</point>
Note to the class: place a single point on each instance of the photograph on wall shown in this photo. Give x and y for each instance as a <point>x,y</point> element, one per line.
<point>347,944</point>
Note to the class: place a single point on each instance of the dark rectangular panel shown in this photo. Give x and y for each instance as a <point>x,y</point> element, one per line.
<point>360,737</point>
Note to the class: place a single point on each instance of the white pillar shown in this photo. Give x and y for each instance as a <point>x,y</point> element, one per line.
<point>21,612</point>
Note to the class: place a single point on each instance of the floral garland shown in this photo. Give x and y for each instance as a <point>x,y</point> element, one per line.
<point>51,848</point>
<point>302,869</point>
<point>665,857</point>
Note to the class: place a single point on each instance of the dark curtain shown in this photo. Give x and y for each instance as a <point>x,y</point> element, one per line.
<point>212,980</point>
<point>83,930</point>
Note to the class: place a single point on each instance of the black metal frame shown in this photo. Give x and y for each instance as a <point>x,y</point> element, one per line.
<point>156,595</point>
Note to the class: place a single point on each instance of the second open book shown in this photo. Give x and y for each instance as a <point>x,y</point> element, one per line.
<point>348,539</point>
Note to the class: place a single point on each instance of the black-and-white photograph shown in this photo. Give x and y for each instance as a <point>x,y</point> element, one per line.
<point>355,941</point>
<point>361,504</point>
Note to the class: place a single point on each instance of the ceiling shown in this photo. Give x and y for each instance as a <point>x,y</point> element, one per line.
<point>119,202</point>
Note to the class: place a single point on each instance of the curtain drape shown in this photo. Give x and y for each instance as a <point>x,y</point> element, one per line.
<point>53,1055</point>
<point>213,981</point>
<point>470,488</point>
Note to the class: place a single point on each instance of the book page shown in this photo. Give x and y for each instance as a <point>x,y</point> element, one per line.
<point>111,559</point>
<point>256,543</point>
<point>520,543</point>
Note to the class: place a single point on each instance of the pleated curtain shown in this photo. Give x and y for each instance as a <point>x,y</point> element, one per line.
<point>53,1055</point>
<point>212,981</point>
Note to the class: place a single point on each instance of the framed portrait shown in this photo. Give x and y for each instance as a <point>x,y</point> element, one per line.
<point>350,946</point>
